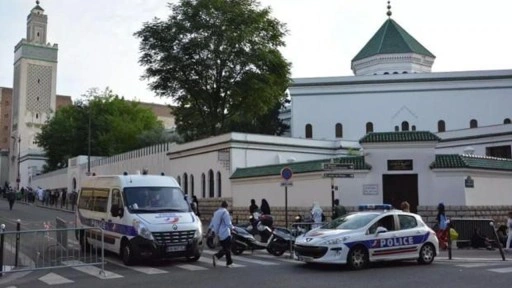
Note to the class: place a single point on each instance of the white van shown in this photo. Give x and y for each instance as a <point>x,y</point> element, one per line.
<point>142,216</point>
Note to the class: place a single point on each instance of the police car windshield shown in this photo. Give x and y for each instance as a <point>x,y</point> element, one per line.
<point>155,199</point>
<point>351,221</point>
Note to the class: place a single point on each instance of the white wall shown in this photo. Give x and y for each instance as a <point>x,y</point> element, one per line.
<point>387,100</point>
<point>490,189</point>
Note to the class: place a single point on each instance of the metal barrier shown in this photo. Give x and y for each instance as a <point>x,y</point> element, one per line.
<point>49,248</point>
<point>466,227</point>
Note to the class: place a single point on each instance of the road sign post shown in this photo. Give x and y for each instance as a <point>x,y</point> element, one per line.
<point>286,174</point>
<point>337,170</point>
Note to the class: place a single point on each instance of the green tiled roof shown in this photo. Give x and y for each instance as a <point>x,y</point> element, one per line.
<point>403,136</point>
<point>391,39</point>
<point>471,162</point>
<point>298,167</point>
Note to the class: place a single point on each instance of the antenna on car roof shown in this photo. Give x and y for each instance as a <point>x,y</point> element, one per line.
<point>162,174</point>
<point>145,171</point>
<point>125,173</point>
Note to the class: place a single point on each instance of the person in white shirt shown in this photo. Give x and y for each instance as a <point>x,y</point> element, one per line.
<point>316,214</point>
<point>509,226</point>
<point>221,225</point>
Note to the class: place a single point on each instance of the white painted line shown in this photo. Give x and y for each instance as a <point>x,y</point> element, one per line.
<point>92,270</point>
<point>54,279</point>
<point>220,263</point>
<point>501,270</point>
<point>191,267</point>
<point>279,258</point>
<point>141,269</point>
<point>477,265</point>
<point>244,259</point>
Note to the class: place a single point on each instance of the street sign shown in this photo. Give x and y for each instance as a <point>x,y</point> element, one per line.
<point>338,175</point>
<point>286,183</point>
<point>337,166</point>
<point>286,173</point>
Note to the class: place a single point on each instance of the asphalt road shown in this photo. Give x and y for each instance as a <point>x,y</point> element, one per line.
<point>468,268</point>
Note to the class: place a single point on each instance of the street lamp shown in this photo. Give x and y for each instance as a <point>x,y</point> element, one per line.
<point>89,144</point>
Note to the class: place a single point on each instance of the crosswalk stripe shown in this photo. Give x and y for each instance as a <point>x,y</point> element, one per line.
<point>279,258</point>
<point>219,263</point>
<point>141,269</point>
<point>254,261</point>
<point>54,279</point>
<point>501,270</point>
<point>191,267</point>
<point>92,270</point>
<point>476,265</point>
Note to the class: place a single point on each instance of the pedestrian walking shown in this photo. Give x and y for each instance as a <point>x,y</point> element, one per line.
<point>221,225</point>
<point>509,226</point>
<point>442,224</point>
<point>63,198</point>
<point>11,197</point>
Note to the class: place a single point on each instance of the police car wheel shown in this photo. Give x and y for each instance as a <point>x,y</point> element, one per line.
<point>427,254</point>
<point>358,258</point>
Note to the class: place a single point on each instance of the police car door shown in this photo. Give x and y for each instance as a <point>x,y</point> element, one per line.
<point>383,243</point>
<point>411,235</point>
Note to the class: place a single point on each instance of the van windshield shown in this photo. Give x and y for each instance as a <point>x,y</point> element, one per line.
<point>155,199</point>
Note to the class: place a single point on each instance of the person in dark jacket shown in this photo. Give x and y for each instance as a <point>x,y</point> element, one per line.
<point>264,207</point>
<point>253,207</point>
<point>11,197</point>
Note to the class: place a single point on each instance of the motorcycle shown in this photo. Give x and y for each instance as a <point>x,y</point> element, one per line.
<point>243,240</point>
<point>281,240</point>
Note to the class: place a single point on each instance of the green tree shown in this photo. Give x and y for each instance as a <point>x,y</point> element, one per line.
<point>115,126</point>
<point>219,61</point>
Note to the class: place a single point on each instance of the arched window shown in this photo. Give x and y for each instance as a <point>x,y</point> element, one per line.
<point>413,127</point>
<point>211,184</point>
<point>369,127</point>
<point>179,180</point>
<point>185,183</point>
<point>397,129</point>
<point>192,185</point>
<point>405,126</point>
<point>309,131</point>
<point>339,130</point>
<point>506,121</point>
<point>473,123</point>
<point>219,185</point>
<point>203,185</point>
<point>441,126</point>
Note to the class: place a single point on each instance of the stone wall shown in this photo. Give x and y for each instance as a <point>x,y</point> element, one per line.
<point>428,213</point>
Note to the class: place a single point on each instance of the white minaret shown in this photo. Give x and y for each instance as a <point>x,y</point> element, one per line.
<point>33,99</point>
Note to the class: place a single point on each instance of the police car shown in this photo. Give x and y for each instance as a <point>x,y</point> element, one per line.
<point>375,233</point>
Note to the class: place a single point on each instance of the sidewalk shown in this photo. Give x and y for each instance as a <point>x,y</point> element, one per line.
<point>470,254</point>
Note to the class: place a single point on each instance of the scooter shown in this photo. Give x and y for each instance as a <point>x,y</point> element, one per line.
<point>243,240</point>
<point>281,240</point>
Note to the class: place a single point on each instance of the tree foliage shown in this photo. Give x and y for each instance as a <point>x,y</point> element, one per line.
<point>115,127</point>
<point>219,60</point>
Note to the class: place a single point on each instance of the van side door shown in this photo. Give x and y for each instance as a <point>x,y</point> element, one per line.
<point>116,220</point>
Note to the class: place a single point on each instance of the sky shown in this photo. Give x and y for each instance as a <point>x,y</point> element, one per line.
<point>97,47</point>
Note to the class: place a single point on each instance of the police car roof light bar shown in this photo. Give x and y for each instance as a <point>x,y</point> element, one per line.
<point>367,207</point>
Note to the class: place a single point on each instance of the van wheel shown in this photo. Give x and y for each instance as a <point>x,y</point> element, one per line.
<point>127,253</point>
<point>427,254</point>
<point>358,258</point>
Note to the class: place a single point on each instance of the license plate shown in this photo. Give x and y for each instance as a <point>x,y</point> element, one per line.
<point>175,248</point>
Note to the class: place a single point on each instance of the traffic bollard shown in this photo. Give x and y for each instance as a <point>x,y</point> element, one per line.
<point>448,227</point>
<point>18,224</point>
<point>2,229</point>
